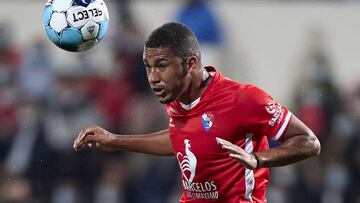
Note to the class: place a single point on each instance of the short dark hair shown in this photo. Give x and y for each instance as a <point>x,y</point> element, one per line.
<point>177,37</point>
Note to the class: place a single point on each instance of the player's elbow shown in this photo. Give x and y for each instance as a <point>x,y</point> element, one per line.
<point>314,145</point>
<point>317,147</point>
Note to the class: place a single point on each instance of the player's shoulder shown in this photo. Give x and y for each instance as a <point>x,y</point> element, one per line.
<point>220,81</point>
<point>228,83</point>
<point>242,92</point>
<point>252,93</point>
<point>250,89</point>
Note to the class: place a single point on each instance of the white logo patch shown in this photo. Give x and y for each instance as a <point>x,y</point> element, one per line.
<point>276,111</point>
<point>187,163</point>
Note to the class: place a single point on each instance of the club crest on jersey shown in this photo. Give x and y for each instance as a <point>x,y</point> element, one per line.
<point>207,120</point>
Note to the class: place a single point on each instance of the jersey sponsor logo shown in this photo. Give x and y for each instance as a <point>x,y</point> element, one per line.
<point>187,163</point>
<point>276,111</point>
<point>194,190</point>
<point>207,121</point>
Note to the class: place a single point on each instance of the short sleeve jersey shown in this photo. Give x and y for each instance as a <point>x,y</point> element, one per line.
<point>240,113</point>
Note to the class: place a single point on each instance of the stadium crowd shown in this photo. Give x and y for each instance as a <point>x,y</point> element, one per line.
<point>43,107</point>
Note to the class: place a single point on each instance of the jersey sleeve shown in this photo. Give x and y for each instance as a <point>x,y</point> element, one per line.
<point>261,114</point>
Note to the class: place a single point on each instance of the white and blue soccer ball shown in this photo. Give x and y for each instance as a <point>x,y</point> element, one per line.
<point>75,25</point>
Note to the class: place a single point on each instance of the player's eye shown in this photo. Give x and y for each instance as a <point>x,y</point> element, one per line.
<point>148,68</point>
<point>162,66</point>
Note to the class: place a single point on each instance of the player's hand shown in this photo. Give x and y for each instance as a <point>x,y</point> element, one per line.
<point>236,152</point>
<point>94,137</point>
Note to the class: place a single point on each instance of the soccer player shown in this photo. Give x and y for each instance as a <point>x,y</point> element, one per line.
<point>218,128</point>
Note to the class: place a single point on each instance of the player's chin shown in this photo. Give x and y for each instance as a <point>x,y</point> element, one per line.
<point>165,99</point>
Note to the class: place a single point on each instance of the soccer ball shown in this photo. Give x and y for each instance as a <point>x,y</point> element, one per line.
<point>75,25</point>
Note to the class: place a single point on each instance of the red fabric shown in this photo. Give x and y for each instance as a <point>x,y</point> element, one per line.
<point>233,112</point>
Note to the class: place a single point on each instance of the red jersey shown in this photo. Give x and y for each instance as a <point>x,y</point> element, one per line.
<point>240,113</point>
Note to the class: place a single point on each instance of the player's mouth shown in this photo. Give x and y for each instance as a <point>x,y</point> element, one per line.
<point>158,91</point>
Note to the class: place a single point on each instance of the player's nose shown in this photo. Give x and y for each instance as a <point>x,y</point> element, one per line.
<point>154,76</point>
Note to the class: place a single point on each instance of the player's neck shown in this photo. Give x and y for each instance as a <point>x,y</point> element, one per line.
<point>198,85</point>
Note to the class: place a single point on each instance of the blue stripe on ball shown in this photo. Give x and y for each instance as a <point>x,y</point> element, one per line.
<point>48,11</point>
<point>53,36</point>
<point>71,37</point>
<point>102,30</point>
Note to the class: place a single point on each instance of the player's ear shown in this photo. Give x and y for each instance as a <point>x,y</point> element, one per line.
<point>191,63</point>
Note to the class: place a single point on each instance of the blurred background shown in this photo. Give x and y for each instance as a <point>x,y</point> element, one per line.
<point>305,53</point>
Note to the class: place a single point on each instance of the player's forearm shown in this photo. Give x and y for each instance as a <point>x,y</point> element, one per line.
<point>156,143</point>
<point>290,151</point>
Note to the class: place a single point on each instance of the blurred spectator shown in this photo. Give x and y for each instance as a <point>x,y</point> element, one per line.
<point>129,47</point>
<point>320,105</point>
<point>16,190</point>
<point>8,117</point>
<point>111,94</point>
<point>13,188</point>
<point>353,149</point>
<point>64,192</point>
<point>70,109</point>
<point>152,180</point>
<point>36,74</point>
<point>111,183</point>
<point>336,175</point>
<point>200,17</point>
<point>9,56</point>
<point>19,155</point>
<point>309,186</point>
<point>316,96</point>
<point>9,62</point>
<point>283,178</point>
<point>353,103</point>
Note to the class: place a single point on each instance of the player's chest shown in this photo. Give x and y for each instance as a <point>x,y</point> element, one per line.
<point>197,133</point>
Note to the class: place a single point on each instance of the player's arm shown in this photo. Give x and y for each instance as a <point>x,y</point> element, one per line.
<point>299,143</point>
<point>96,137</point>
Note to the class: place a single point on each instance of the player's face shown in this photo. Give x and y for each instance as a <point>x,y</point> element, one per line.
<point>166,73</point>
